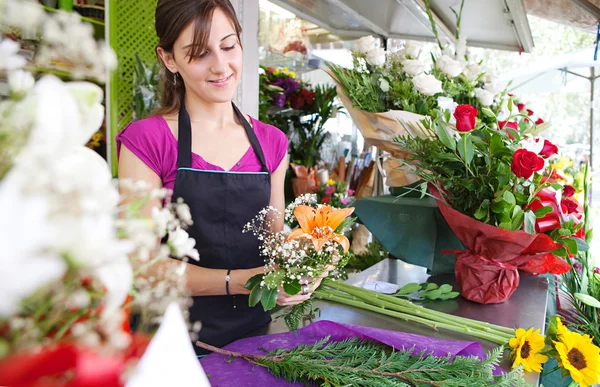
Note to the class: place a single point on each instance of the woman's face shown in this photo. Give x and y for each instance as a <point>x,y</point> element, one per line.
<point>214,74</point>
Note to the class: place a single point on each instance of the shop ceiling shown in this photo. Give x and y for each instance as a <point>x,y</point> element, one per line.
<point>498,24</point>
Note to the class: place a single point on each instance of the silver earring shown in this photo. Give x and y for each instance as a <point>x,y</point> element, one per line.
<point>175,79</point>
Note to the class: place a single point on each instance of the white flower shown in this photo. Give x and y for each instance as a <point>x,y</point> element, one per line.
<point>183,213</point>
<point>376,57</point>
<point>531,144</point>
<point>79,300</point>
<point>485,97</point>
<point>182,245</point>
<point>20,81</point>
<point>9,58</point>
<point>365,44</point>
<point>427,84</point>
<point>411,50</point>
<point>449,66</point>
<point>24,15</point>
<point>384,85</point>
<point>413,67</point>
<point>472,72</point>
<point>446,103</point>
<point>261,71</point>
<point>161,217</point>
<point>493,85</point>
<point>461,48</point>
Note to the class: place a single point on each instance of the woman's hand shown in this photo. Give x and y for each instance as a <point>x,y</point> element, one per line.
<point>284,299</point>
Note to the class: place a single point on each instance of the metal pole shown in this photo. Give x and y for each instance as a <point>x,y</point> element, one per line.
<point>592,89</point>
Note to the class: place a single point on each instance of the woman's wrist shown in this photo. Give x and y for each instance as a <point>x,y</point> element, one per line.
<point>238,279</point>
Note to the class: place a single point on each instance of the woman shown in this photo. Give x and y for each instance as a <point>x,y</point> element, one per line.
<point>226,165</point>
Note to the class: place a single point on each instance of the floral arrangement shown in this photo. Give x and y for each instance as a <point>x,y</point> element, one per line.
<point>313,249</point>
<point>575,353</point>
<point>77,255</point>
<point>491,186</point>
<point>335,194</point>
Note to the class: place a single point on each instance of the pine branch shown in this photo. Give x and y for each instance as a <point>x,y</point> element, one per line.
<point>365,363</point>
<point>298,312</point>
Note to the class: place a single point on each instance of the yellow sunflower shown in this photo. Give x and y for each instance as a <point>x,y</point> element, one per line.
<point>560,328</point>
<point>580,357</point>
<point>526,347</point>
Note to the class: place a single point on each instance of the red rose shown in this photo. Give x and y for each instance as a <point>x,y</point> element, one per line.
<point>539,121</point>
<point>568,191</point>
<point>525,163</point>
<point>326,199</point>
<point>569,206</point>
<point>580,233</point>
<point>529,112</point>
<point>548,150</point>
<point>521,106</point>
<point>512,125</point>
<point>309,96</point>
<point>551,221</point>
<point>465,117</point>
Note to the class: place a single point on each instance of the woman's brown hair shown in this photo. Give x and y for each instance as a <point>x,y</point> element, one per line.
<point>172,17</point>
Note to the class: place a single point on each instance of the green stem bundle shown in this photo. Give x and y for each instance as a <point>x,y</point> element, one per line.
<point>407,311</point>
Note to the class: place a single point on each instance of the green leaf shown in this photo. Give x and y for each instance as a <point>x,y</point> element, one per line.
<point>588,300</point>
<point>445,288</point>
<point>269,299</point>
<point>292,288</point>
<point>562,252</point>
<point>432,294</point>
<point>444,137</point>
<point>409,289</point>
<point>571,245</point>
<point>448,296</point>
<point>255,295</point>
<point>529,222</point>
<point>510,104</point>
<point>541,212</point>
<point>509,198</point>
<point>488,112</point>
<point>483,209</point>
<point>465,148</point>
<point>253,281</point>
<point>430,286</point>
<point>514,133</point>
<point>506,225</point>
<point>500,207</point>
<point>518,218</point>
<point>496,145</point>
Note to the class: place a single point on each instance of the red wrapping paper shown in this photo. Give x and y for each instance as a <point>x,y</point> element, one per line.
<point>488,271</point>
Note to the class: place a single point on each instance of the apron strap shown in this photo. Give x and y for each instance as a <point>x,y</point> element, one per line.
<point>252,138</point>
<point>184,137</point>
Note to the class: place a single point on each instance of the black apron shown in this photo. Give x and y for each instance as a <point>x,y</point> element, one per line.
<point>221,203</point>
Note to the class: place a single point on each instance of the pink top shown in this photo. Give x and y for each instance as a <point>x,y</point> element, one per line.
<point>152,141</point>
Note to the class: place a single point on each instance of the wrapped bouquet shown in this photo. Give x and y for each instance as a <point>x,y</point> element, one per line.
<point>493,192</point>
<point>317,246</point>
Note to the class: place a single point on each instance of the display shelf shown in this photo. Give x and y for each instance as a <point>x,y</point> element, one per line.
<point>299,65</point>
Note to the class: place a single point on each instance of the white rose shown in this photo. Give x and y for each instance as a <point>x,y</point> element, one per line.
<point>427,84</point>
<point>449,66</point>
<point>376,57</point>
<point>20,81</point>
<point>485,97</point>
<point>365,44</point>
<point>384,85</point>
<point>411,50</point>
<point>413,67</point>
<point>446,103</point>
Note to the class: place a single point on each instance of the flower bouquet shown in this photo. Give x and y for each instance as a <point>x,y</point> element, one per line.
<point>335,194</point>
<point>75,255</point>
<point>492,192</point>
<point>316,247</point>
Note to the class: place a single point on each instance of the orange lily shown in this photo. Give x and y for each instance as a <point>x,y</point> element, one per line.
<point>319,225</point>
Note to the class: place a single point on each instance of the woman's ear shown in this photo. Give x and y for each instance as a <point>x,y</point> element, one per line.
<point>167,59</point>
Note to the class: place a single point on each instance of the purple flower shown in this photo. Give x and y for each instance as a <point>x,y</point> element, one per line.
<point>289,85</point>
<point>278,100</point>
<point>277,83</point>
<point>345,201</point>
<point>597,270</point>
<point>577,267</point>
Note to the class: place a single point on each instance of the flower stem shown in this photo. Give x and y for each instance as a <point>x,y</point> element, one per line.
<point>417,309</point>
<point>328,295</point>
